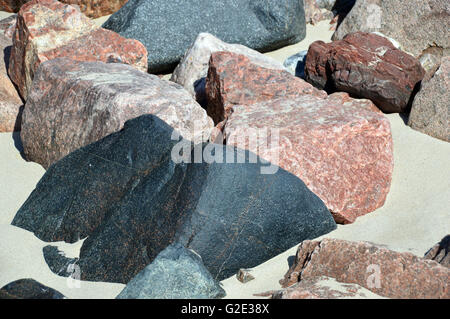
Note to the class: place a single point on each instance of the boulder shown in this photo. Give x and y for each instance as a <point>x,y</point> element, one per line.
<point>28,289</point>
<point>440,252</point>
<point>365,65</point>
<point>415,24</point>
<point>91,8</point>
<point>11,105</point>
<point>295,64</point>
<point>430,111</point>
<point>340,147</point>
<point>8,25</point>
<point>385,272</point>
<point>234,80</point>
<point>132,196</point>
<point>258,24</point>
<point>192,70</point>
<point>315,14</point>
<point>176,273</point>
<point>73,104</point>
<point>47,29</point>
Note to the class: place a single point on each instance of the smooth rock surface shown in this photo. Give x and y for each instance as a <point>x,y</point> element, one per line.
<point>430,112</point>
<point>258,24</point>
<point>234,80</point>
<point>340,147</point>
<point>365,65</point>
<point>382,271</point>
<point>415,24</point>
<point>176,273</point>
<point>11,105</point>
<point>28,289</point>
<point>73,104</point>
<point>131,200</point>
<point>440,252</point>
<point>47,29</point>
<point>192,70</point>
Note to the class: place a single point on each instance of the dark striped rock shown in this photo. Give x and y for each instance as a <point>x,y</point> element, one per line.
<point>385,272</point>
<point>440,252</point>
<point>430,112</point>
<point>174,25</point>
<point>365,65</point>
<point>73,104</point>
<point>48,29</point>
<point>176,273</point>
<point>28,289</point>
<point>132,197</point>
<point>340,147</point>
<point>233,79</point>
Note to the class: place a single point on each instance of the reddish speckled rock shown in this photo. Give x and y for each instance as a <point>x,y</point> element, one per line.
<point>73,104</point>
<point>234,80</point>
<point>91,8</point>
<point>382,271</point>
<point>47,29</point>
<point>10,102</point>
<point>366,65</point>
<point>340,147</point>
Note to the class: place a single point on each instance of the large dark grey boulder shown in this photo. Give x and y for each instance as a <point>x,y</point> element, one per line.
<point>28,289</point>
<point>132,200</point>
<point>176,273</point>
<point>168,28</point>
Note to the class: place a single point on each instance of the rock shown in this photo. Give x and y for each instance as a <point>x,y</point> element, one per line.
<point>340,147</point>
<point>58,262</point>
<point>28,289</point>
<point>131,196</point>
<point>430,60</point>
<point>295,64</point>
<point>234,80</point>
<point>440,252</point>
<point>192,70</point>
<point>244,276</point>
<point>430,111</point>
<point>269,24</point>
<point>314,14</point>
<point>368,66</point>
<point>324,288</point>
<point>8,25</point>
<point>415,24</point>
<point>100,97</point>
<point>11,105</point>
<point>382,271</point>
<point>91,8</point>
<point>176,273</point>
<point>47,29</point>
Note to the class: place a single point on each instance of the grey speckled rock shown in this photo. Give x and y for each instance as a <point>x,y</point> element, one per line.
<point>168,28</point>
<point>28,289</point>
<point>127,195</point>
<point>415,24</point>
<point>192,70</point>
<point>430,112</point>
<point>176,273</point>
<point>295,64</point>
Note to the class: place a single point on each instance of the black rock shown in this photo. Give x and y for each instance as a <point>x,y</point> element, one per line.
<point>176,273</point>
<point>28,289</point>
<point>132,201</point>
<point>58,263</point>
<point>440,252</point>
<point>168,28</point>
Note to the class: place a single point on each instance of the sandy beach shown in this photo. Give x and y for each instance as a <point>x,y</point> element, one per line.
<point>414,217</point>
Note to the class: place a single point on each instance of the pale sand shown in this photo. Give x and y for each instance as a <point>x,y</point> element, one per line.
<point>414,217</point>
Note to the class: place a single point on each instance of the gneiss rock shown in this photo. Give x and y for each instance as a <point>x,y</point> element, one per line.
<point>440,252</point>
<point>365,65</point>
<point>176,273</point>
<point>11,5</point>
<point>72,104</point>
<point>174,25</point>
<point>430,112</point>
<point>127,195</point>
<point>415,24</point>
<point>28,289</point>
<point>47,29</point>
<point>11,105</point>
<point>235,80</point>
<point>8,25</point>
<point>382,271</point>
<point>340,147</point>
<point>192,70</point>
